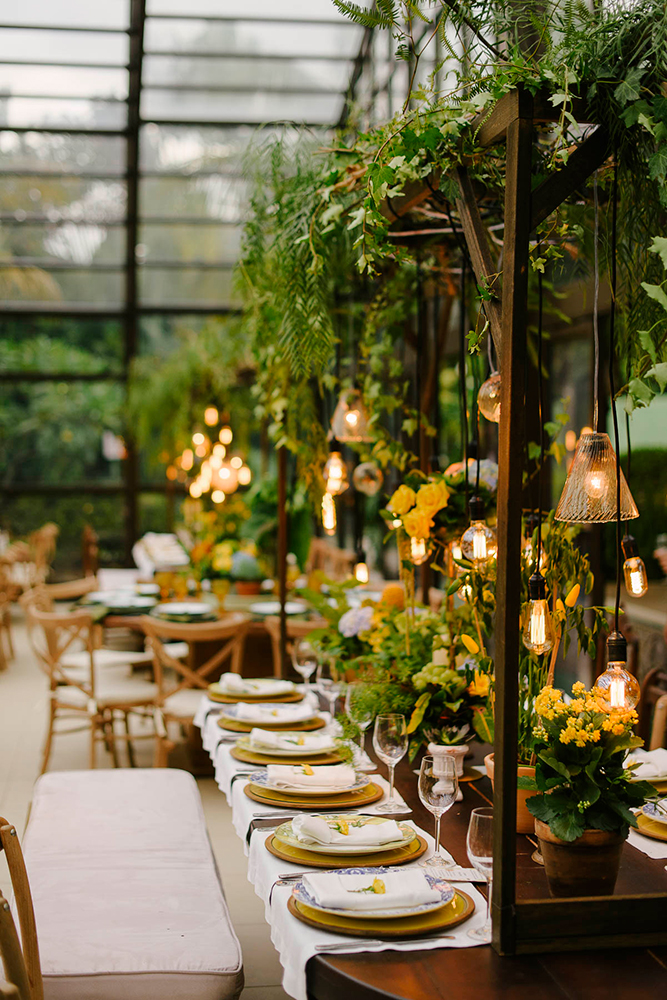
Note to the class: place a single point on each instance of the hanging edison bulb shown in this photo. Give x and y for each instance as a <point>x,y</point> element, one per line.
<point>589,494</point>
<point>350,420</point>
<point>634,570</point>
<point>329,514</point>
<point>478,543</point>
<point>538,629</point>
<point>419,550</point>
<point>616,688</point>
<point>335,471</point>
<point>361,573</point>
<point>211,416</point>
<point>367,478</point>
<point>488,398</point>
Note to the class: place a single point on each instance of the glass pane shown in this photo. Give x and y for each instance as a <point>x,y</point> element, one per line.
<point>46,287</point>
<point>63,47</point>
<point>220,197</point>
<point>211,244</point>
<point>160,335</point>
<point>254,73</point>
<point>82,154</point>
<point>59,344</point>
<point>80,244</point>
<point>54,432</point>
<point>189,149</point>
<point>239,106</point>
<point>316,9</point>
<point>37,112</point>
<point>23,514</point>
<point>74,13</point>
<point>244,37</point>
<point>172,287</point>
<point>61,199</point>
<point>65,81</point>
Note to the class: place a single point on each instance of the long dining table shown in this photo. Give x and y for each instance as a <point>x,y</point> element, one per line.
<point>476,973</point>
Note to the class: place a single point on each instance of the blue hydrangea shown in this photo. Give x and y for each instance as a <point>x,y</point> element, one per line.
<point>354,621</point>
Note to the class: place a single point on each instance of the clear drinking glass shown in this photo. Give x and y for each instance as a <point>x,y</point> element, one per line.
<point>361,716</point>
<point>329,681</point>
<point>480,851</point>
<point>390,742</point>
<point>304,658</point>
<point>438,787</point>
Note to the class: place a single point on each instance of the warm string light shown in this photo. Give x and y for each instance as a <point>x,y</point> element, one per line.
<point>350,419</point>
<point>634,570</point>
<point>361,573</point>
<point>616,688</point>
<point>329,514</point>
<point>538,630</point>
<point>335,472</point>
<point>488,398</point>
<point>418,551</point>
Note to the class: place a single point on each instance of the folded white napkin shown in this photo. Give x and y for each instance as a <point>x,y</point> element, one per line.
<point>264,739</point>
<point>316,830</point>
<point>235,684</point>
<point>652,764</point>
<point>293,775</point>
<point>403,890</point>
<point>273,714</point>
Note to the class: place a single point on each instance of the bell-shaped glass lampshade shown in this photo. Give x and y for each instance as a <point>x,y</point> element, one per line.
<point>350,420</point>
<point>488,398</point>
<point>589,494</point>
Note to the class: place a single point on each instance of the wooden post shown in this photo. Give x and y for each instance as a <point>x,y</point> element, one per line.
<point>510,462</point>
<point>282,554</point>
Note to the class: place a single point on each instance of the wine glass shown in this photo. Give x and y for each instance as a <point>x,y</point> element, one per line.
<point>304,658</point>
<point>438,787</point>
<point>329,680</point>
<point>361,716</point>
<point>390,742</point>
<point>480,851</point>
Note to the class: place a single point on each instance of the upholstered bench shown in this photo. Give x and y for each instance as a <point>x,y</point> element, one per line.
<point>128,901</point>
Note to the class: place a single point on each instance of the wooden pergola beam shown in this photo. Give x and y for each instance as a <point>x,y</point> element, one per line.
<point>560,185</point>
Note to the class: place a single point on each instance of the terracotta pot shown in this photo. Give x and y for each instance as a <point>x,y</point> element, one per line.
<point>587,866</point>
<point>524,819</point>
<point>248,588</point>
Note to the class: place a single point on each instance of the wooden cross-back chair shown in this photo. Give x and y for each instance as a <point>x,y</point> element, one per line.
<point>652,709</point>
<point>181,686</point>
<point>21,965</point>
<point>89,693</point>
<point>297,628</point>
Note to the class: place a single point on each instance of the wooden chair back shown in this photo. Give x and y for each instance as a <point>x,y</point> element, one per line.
<point>337,564</point>
<point>90,551</point>
<point>297,628</point>
<point>43,544</point>
<point>22,968</point>
<point>653,691</point>
<point>230,630</point>
<point>58,632</point>
<point>70,590</point>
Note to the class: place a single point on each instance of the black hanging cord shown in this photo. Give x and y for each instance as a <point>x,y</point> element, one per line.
<point>475,394</point>
<point>462,373</point>
<point>612,318</point>
<point>540,404</point>
<point>419,354</point>
<point>627,435</point>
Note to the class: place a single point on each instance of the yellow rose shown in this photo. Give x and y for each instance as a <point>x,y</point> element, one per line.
<point>418,523</point>
<point>402,500</point>
<point>432,497</point>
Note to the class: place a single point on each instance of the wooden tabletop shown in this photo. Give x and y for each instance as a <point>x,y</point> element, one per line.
<point>478,973</point>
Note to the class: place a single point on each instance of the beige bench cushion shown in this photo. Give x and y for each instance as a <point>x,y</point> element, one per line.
<point>127,898</point>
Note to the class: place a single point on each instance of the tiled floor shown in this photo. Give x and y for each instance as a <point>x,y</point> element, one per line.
<point>22,726</point>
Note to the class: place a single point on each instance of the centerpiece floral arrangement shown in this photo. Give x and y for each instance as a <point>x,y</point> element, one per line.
<point>216,537</point>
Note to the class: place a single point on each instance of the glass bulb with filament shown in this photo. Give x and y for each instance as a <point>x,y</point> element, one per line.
<point>538,630</point>
<point>634,570</point>
<point>595,484</point>
<point>478,543</point>
<point>350,419</point>
<point>419,550</point>
<point>616,688</point>
<point>335,472</point>
<point>329,514</point>
<point>488,398</point>
<point>361,574</point>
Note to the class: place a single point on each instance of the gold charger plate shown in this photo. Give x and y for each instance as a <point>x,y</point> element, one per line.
<point>326,803</point>
<point>298,855</point>
<point>226,699</point>
<point>469,774</point>
<point>660,786</point>
<point>651,828</point>
<point>294,727</point>
<point>461,908</point>
<point>250,757</point>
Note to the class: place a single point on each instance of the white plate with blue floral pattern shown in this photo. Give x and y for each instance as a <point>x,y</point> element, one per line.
<point>656,811</point>
<point>447,893</point>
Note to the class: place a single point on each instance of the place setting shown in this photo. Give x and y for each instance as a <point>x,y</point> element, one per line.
<point>243,716</point>
<point>188,612</point>
<point>231,689</point>
<point>265,746</point>
<point>302,786</point>
<point>331,840</point>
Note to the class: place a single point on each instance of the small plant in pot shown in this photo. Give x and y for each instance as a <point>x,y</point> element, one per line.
<point>246,573</point>
<point>584,813</point>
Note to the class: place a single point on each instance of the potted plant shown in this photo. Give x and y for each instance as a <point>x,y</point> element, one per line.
<point>584,813</point>
<point>246,573</point>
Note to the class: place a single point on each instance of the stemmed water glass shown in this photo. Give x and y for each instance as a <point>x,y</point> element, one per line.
<point>438,787</point>
<point>304,658</point>
<point>480,851</point>
<point>362,717</point>
<point>329,680</point>
<point>390,742</point>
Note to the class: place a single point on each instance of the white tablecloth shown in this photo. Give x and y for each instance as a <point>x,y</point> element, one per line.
<point>296,943</point>
<point>652,848</point>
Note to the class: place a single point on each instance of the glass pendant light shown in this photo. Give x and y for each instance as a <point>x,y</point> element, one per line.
<point>335,471</point>
<point>538,629</point>
<point>488,398</point>
<point>419,550</point>
<point>634,570</point>
<point>589,494</point>
<point>350,420</point>
<point>368,478</point>
<point>616,688</point>
<point>328,514</point>
<point>361,573</point>
<point>478,543</point>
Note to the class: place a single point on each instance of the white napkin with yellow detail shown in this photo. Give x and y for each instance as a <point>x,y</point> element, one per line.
<point>391,890</point>
<point>271,716</point>
<point>317,830</point>
<point>264,739</point>
<point>329,778</point>
<point>234,684</point>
